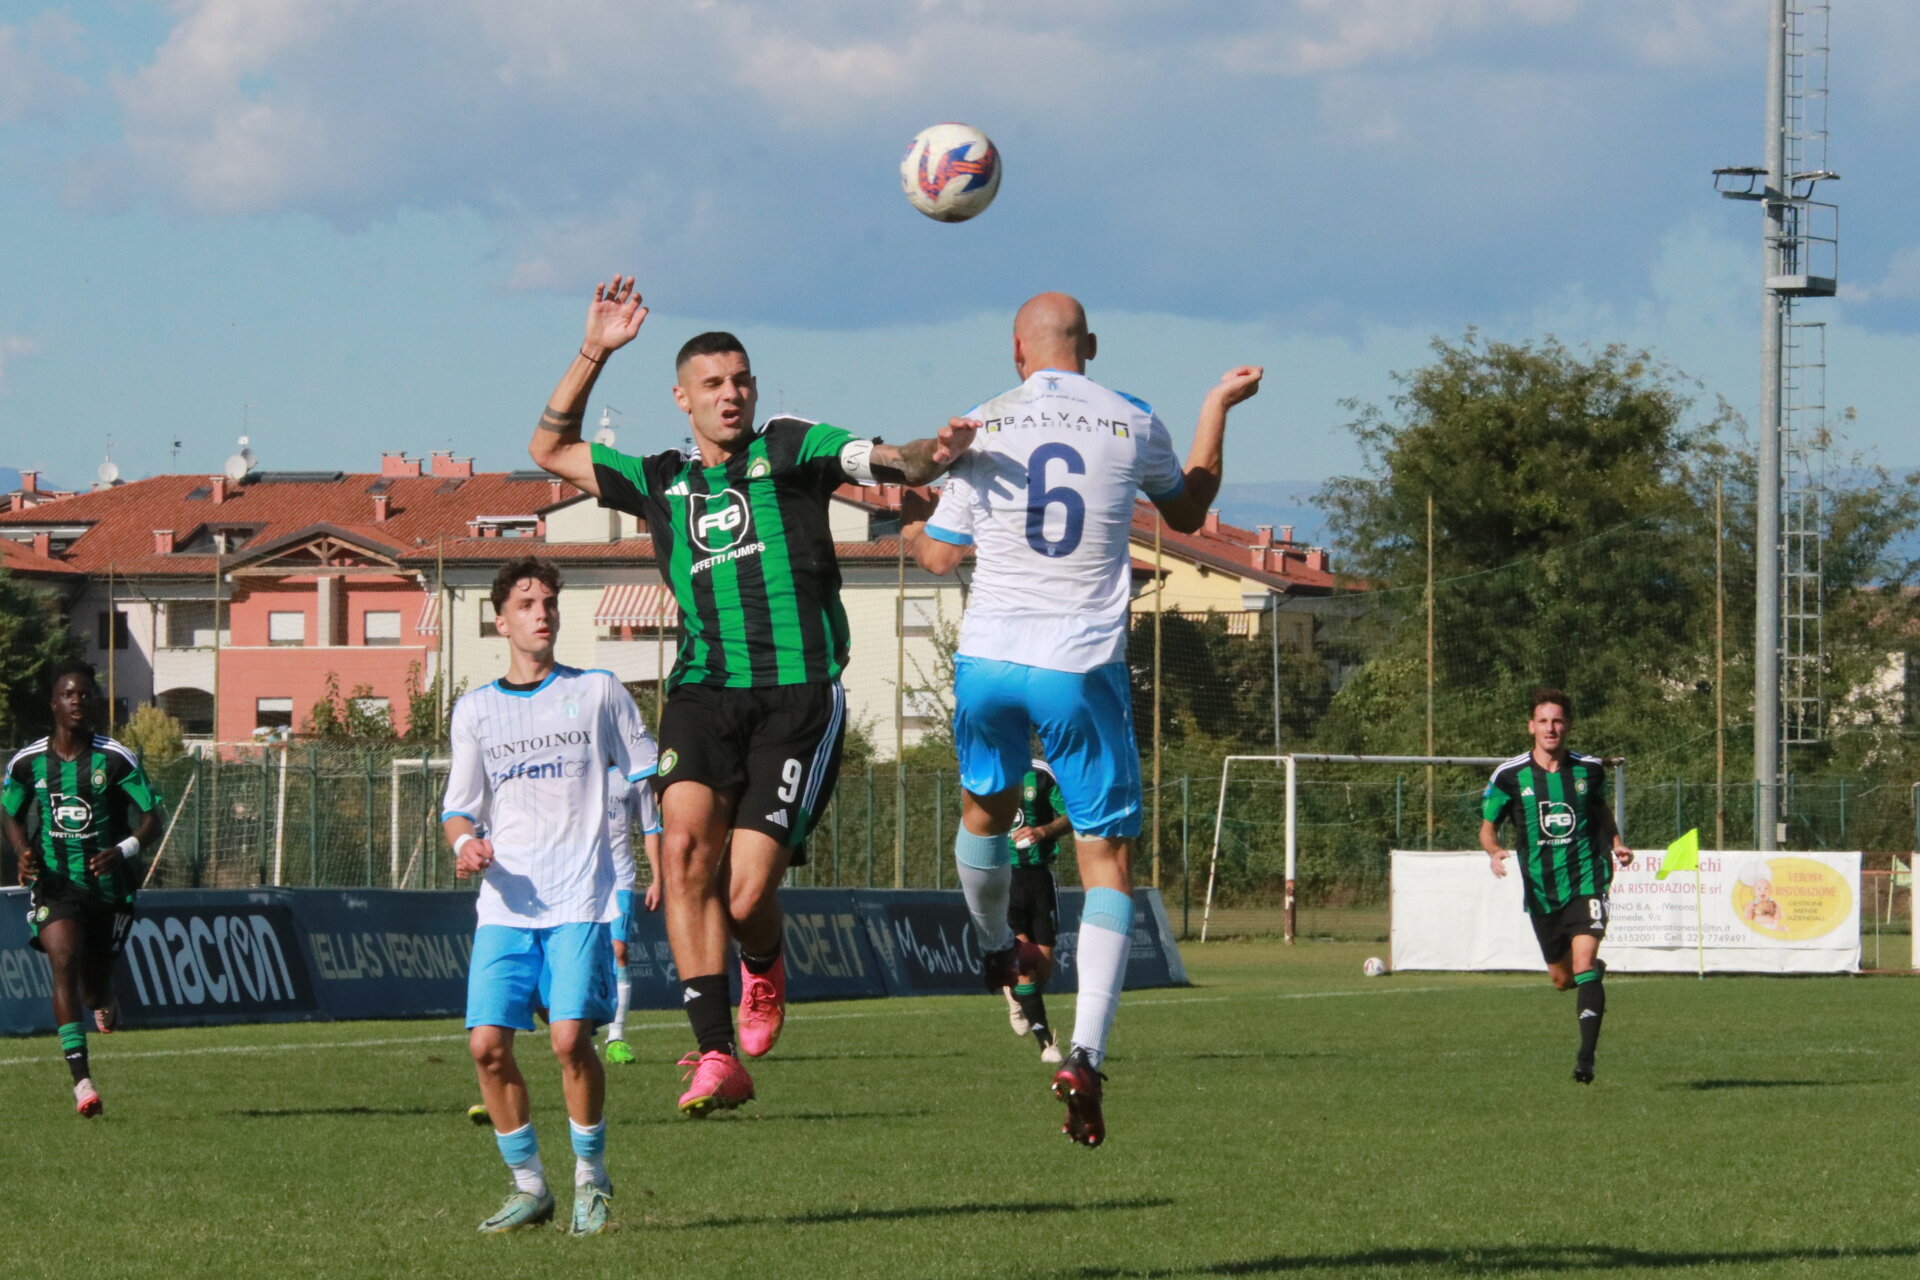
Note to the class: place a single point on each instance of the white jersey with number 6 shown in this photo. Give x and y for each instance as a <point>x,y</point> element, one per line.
<point>1045,496</point>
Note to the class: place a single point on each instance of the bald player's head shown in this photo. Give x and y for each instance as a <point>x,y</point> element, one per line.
<point>1050,332</point>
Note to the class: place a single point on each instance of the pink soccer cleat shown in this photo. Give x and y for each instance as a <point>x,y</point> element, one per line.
<point>715,1082</point>
<point>107,1019</point>
<point>86,1099</point>
<point>1078,1085</point>
<point>763,1008</point>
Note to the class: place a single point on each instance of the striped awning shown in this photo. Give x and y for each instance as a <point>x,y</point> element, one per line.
<point>429,624</point>
<point>636,604</point>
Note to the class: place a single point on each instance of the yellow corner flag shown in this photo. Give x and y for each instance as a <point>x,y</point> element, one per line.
<point>1682,855</point>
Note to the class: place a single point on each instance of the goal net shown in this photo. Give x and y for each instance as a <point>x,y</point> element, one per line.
<point>1334,823</point>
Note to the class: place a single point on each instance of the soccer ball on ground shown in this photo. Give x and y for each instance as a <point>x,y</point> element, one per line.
<point>951,172</point>
<point>1374,967</point>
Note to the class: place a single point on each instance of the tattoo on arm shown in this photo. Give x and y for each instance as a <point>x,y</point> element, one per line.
<point>911,463</point>
<point>562,422</point>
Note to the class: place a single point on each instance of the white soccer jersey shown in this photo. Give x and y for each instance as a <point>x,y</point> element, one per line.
<point>629,805</point>
<point>531,767</point>
<point>1045,496</point>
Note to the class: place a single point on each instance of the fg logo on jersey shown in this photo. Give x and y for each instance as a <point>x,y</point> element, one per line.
<point>759,469</point>
<point>71,814</point>
<point>1556,819</point>
<point>717,520</point>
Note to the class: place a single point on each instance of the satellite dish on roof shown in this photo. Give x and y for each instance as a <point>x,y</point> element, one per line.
<point>236,468</point>
<point>108,472</point>
<point>606,434</point>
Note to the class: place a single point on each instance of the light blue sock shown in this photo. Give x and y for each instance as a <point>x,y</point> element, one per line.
<point>986,879</point>
<point>521,1150</point>
<point>589,1153</point>
<point>1106,936</point>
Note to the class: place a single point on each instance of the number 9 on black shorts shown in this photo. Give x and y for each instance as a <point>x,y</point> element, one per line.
<point>1580,917</point>
<point>778,748</point>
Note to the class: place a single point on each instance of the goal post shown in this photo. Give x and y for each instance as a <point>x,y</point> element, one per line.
<point>1290,763</point>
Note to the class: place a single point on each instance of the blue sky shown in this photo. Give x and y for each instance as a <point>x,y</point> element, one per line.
<point>356,226</point>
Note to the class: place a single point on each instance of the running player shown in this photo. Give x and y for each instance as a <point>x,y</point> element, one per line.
<point>95,812</point>
<point>1557,799</point>
<point>1046,500</point>
<point>531,752</point>
<point>751,735</point>
<point>1033,901</point>
<point>628,806</point>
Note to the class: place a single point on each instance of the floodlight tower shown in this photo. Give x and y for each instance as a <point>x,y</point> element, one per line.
<point>1801,242</point>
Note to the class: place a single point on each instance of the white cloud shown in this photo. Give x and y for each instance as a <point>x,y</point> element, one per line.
<point>12,347</point>
<point>32,83</point>
<point>1901,281</point>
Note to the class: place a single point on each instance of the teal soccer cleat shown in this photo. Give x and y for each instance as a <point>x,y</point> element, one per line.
<point>591,1206</point>
<point>522,1209</point>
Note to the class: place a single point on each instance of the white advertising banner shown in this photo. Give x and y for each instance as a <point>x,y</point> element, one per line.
<point>1757,913</point>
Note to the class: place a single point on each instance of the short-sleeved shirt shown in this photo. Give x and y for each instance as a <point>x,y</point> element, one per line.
<point>84,805</point>
<point>1560,853</point>
<point>1040,803</point>
<point>1045,497</point>
<point>747,551</point>
<point>628,806</point>
<point>531,767</point>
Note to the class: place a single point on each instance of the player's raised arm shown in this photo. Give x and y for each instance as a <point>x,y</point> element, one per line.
<point>922,461</point>
<point>1186,510</point>
<point>613,318</point>
<point>938,539</point>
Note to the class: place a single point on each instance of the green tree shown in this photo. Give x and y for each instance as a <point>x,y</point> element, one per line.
<point>33,640</point>
<point>1566,533</point>
<point>154,736</point>
<point>353,718</point>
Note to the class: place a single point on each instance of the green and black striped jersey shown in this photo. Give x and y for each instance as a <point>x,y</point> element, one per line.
<point>746,549</point>
<point>83,806</point>
<point>1561,853</point>
<point>1040,803</point>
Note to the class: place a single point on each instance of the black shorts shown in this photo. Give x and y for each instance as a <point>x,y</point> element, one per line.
<point>103,925</point>
<point>777,750</point>
<point>1033,905</point>
<point>1556,930</point>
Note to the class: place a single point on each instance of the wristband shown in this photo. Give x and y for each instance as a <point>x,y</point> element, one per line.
<point>129,848</point>
<point>461,839</point>
<point>600,359</point>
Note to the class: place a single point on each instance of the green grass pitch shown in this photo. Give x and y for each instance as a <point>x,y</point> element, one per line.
<point>1283,1117</point>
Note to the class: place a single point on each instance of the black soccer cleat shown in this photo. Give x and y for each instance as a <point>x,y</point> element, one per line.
<point>1583,1072</point>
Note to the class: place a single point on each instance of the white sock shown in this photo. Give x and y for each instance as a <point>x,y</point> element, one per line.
<point>1106,936</point>
<point>622,997</point>
<point>986,879</point>
<point>522,1154</point>
<point>589,1153</point>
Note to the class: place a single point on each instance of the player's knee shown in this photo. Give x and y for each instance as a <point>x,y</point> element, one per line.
<point>572,1042</point>
<point>747,901</point>
<point>490,1052</point>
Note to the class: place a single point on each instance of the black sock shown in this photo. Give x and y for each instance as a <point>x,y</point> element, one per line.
<point>1033,1007</point>
<point>760,965</point>
<point>710,1010</point>
<point>1590,999</point>
<point>73,1046</point>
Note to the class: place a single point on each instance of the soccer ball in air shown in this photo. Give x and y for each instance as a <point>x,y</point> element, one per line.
<point>1374,967</point>
<point>951,172</point>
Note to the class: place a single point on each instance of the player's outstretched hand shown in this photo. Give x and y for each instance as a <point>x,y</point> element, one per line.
<point>953,439</point>
<point>1499,863</point>
<point>1238,384</point>
<point>475,856</point>
<point>615,314</point>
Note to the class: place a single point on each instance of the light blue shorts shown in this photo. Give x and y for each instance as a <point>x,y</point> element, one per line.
<point>563,970</point>
<point>1085,723</point>
<point>623,922</point>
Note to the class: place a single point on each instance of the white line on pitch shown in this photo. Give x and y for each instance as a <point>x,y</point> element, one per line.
<point>798,1016</point>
